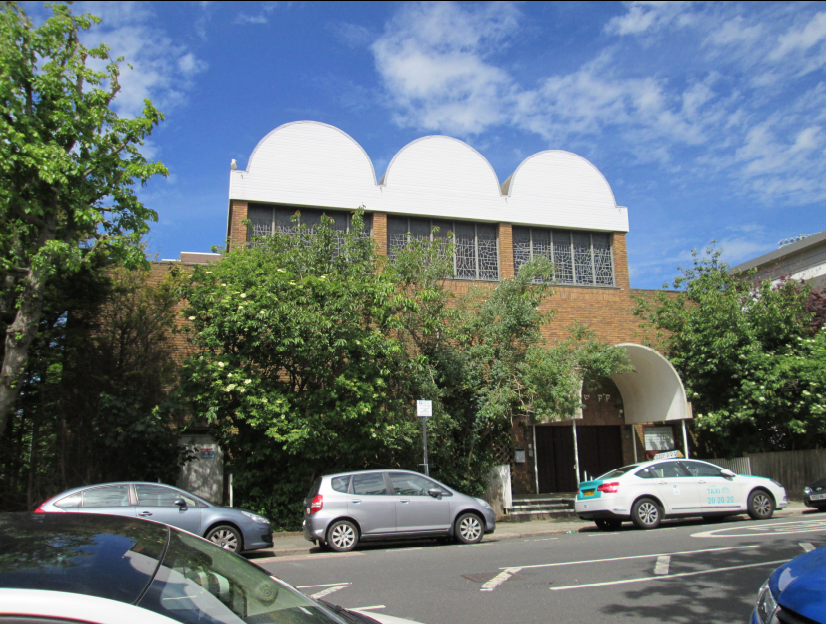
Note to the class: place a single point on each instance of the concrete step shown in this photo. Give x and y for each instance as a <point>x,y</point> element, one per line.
<point>544,506</point>
<point>544,502</point>
<point>515,516</point>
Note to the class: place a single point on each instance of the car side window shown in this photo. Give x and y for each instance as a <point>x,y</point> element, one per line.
<point>340,484</point>
<point>72,501</point>
<point>369,484</point>
<point>412,485</point>
<point>701,469</point>
<point>645,473</point>
<point>151,496</point>
<point>115,496</point>
<point>668,469</point>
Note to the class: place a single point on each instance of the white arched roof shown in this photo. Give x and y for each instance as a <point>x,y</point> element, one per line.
<point>313,164</point>
<point>653,392</point>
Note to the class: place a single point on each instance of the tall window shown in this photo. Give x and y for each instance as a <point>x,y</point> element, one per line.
<point>582,258</point>
<point>476,245</point>
<point>267,219</point>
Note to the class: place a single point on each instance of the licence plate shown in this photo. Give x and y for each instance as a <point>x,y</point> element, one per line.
<point>587,493</point>
<point>818,497</point>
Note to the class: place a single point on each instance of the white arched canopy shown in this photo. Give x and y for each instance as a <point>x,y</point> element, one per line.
<point>653,392</point>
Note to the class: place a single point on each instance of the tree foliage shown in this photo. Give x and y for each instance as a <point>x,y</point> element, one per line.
<point>97,397</point>
<point>68,170</point>
<point>311,350</point>
<point>749,355</point>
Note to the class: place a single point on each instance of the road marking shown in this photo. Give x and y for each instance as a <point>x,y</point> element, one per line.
<point>663,562</point>
<point>650,555</point>
<point>324,585</point>
<point>499,579</point>
<point>673,575</point>
<point>370,607</point>
<point>766,529</point>
<point>538,540</point>
<point>327,591</point>
<point>315,556</point>
<point>807,547</point>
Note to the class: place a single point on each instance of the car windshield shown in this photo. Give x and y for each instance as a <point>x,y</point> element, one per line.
<point>199,582</point>
<point>617,472</point>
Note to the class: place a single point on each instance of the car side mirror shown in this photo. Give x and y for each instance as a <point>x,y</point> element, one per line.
<point>180,503</point>
<point>435,493</point>
<point>727,473</point>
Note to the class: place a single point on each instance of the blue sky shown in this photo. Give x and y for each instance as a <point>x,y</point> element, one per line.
<point>706,119</point>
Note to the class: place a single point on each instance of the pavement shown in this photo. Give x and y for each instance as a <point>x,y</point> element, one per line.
<point>293,543</point>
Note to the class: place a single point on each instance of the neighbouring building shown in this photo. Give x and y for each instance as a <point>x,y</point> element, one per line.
<point>556,204</point>
<point>800,258</point>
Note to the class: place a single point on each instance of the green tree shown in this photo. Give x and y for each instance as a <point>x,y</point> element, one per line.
<point>97,398</point>
<point>311,351</point>
<point>750,360</point>
<point>68,170</point>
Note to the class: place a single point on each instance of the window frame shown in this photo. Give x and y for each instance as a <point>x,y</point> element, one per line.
<point>551,232</point>
<point>310,210</point>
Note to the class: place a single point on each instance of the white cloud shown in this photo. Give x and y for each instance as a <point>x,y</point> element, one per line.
<point>161,69</point>
<point>261,18</point>
<point>726,105</point>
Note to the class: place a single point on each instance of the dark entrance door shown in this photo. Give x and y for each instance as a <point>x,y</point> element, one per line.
<point>555,459</point>
<point>600,450</point>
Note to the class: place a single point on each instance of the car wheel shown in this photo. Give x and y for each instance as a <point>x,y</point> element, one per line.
<point>646,514</point>
<point>226,537</point>
<point>342,536</point>
<point>761,505</point>
<point>608,525</point>
<point>469,529</point>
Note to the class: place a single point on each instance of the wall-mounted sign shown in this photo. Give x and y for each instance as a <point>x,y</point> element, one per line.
<point>659,439</point>
<point>519,455</point>
<point>207,453</point>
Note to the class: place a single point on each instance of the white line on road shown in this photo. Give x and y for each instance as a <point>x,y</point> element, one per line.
<point>324,585</point>
<point>499,579</point>
<point>673,575</point>
<point>650,555</point>
<point>807,547</point>
<point>663,562</point>
<point>327,591</point>
<point>370,607</point>
<point>766,529</point>
<point>314,556</point>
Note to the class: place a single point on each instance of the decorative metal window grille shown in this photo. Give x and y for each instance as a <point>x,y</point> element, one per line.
<point>578,257</point>
<point>267,220</point>
<point>476,245</point>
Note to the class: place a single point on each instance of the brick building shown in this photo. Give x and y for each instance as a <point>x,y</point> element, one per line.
<point>556,204</point>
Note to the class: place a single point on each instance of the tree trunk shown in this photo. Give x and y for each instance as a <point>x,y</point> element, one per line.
<point>21,332</point>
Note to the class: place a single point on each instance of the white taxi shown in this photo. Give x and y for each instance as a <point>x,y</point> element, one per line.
<point>648,492</point>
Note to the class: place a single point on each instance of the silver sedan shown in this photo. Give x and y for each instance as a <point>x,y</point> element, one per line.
<point>230,528</point>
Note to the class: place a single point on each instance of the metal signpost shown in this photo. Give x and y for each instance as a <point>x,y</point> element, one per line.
<point>424,409</point>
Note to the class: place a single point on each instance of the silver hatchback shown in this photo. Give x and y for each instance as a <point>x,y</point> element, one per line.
<point>344,508</point>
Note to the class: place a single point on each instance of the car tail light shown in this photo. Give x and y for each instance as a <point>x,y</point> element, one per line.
<point>610,487</point>
<point>318,504</point>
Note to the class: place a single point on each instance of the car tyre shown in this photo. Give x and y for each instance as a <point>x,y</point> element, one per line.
<point>646,514</point>
<point>761,505</point>
<point>342,536</point>
<point>608,525</point>
<point>469,529</point>
<point>226,537</point>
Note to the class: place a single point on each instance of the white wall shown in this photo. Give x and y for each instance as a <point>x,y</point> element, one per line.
<point>314,164</point>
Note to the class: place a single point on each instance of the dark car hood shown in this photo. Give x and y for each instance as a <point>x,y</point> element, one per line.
<point>798,585</point>
<point>821,484</point>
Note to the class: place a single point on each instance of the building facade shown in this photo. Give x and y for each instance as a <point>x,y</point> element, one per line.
<point>556,204</point>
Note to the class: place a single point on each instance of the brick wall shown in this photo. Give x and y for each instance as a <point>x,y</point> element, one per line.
<point>237,234</point>
<point>506,269</point>
<point>380,232</point>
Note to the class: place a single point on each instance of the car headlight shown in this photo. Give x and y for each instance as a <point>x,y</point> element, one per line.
<point>766,604</point>
<point>807,491</point>
<point>483,502</point>
<point>256,517</point>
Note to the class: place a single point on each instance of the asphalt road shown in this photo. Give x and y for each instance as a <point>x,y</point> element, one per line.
<point>683,572</point>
